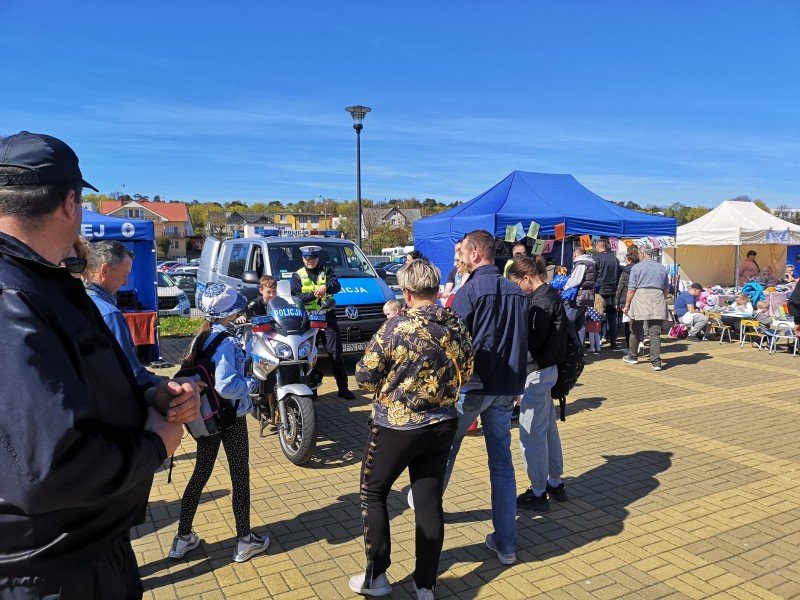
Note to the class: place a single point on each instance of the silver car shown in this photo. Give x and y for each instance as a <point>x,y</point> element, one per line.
<point>172,300</point>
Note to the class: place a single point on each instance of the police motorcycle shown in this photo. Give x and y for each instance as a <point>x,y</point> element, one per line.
<point>284,346</point>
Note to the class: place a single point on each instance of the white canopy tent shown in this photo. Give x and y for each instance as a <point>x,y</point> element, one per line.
<point>709,249</point>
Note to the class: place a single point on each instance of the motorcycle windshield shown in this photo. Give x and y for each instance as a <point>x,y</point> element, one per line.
<point>290,315</point>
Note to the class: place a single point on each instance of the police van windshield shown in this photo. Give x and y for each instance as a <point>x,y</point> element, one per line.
<point>346,259</point>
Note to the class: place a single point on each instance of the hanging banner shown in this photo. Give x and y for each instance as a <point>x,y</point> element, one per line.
<point>537,248</point>
<point>628,242</point>
<point>519,232</point>
<point>560,230</point>
<point>777,237</point>
<point>654,242</point>
<point>533,230</point>
<point>548,246</point>
<point>614,243</point>
<point>586,242</point>
<point>511,233</point>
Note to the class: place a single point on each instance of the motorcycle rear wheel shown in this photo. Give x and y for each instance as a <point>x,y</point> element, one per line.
<point>298,437</point>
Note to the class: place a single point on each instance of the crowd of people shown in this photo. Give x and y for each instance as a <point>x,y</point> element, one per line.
<point>83,404</point>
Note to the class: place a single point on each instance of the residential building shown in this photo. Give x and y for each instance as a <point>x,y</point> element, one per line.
<point>300,221</point>
<point>229,224</point>
<point>170,219</point>
<point>374,217</point>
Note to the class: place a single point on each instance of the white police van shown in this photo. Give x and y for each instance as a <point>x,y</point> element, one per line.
<point>241,262</point>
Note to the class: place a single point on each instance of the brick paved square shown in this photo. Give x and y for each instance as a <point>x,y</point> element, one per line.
<point>683,484</point>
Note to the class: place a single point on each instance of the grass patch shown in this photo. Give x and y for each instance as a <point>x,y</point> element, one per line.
<point>173,326</point>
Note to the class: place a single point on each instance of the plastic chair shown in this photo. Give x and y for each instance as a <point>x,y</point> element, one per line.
<point>781,332</point>
<point>717,327</point>
<point>751,329</point>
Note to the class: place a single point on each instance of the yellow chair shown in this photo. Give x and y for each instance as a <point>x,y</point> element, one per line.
<point>717,327</point>
<point>750,329</point>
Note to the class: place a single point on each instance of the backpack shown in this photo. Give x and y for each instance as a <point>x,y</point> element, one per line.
<point>216,413</point>
<point>569,370</point>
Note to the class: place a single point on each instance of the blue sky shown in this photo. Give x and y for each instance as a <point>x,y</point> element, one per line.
<point>683,101</point>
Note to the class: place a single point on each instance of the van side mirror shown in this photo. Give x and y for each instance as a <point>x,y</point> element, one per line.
<point>381,273</point>
<point>250,277</point>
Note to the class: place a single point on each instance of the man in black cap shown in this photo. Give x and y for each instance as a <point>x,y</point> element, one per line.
<point>318,283</point>
<point>80,440</point>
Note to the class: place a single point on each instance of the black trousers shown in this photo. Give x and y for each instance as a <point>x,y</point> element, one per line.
<point>611,320</point>
<point>115,576</point>
<point>333,346</point>
<point>235,442</point>
<point>389,451</point>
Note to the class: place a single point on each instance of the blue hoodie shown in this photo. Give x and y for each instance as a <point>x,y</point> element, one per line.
<point>495,311</point>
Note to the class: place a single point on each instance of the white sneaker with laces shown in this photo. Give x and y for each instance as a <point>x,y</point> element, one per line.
<point>422,593</point>
<point>248,547</point>
<point>379,586</point>
<point>506,559</point>
<point>182,544</point>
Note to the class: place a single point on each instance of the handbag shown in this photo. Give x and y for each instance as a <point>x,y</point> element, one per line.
<point>678,331</point>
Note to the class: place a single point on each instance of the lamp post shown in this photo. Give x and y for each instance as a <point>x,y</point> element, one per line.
<point>358,113</point>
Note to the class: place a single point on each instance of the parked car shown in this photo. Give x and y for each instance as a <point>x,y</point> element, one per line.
<point>182,269</point>
<point>172,300</point>
<point>187,282</point>
<point>166,265</point>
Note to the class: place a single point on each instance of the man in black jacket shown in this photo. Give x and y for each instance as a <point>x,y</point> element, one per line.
<point>80,440</point>
<point>608,271</point>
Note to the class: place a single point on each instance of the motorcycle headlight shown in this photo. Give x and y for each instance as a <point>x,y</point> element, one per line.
<point>282,351</point>
<point>304,349</point>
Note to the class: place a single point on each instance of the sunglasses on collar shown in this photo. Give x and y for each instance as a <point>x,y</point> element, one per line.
<point>73,264</point>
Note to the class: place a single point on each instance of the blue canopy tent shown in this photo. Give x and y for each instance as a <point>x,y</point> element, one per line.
<point>549,199</point>
<point>139,237</point>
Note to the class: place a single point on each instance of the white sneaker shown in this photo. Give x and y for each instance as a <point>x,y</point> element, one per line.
<point>248,547</point>
<point>410,499</point>
<point>422,593</point>
<point>379,586</point>
<point>506,559</point>
<point>182,544</point>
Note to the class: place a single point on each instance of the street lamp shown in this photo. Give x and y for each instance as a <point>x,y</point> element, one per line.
<point>358,113</point>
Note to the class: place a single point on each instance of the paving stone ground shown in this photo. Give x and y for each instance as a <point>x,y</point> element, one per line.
<point>683,484</point>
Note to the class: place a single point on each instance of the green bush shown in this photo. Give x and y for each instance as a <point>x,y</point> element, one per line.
<point>174,326</point>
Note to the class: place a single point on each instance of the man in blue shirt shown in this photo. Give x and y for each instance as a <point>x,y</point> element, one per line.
<point>112,264</point>
<point>686,312</point>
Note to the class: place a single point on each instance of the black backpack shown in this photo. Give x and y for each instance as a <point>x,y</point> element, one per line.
<point>216,413</point>
<point>569,370</point>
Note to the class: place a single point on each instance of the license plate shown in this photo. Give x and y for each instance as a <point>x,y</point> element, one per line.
<point>354,347</point>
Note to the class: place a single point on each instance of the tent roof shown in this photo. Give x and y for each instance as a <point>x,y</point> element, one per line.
<point>737,223</point>
<point>549,199</point>
<point>95,226</point>
<point>546,198</point>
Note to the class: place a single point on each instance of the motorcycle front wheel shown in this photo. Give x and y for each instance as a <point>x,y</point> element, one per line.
<point>298,436</point>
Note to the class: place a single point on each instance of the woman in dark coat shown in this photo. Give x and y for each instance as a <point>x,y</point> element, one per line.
<point>631,258</point>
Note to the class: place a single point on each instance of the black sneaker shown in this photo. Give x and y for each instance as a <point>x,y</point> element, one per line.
<point>346,394</point>
<point>559,493</point>
<point>531,501</point>
<point>515,414</point>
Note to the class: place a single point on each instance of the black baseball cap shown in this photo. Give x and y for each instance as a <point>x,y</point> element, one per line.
<point>45,158</point>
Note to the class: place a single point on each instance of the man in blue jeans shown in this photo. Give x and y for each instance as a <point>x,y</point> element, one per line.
<point>496,314</point>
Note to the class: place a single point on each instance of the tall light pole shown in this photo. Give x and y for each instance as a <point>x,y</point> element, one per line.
<point>358,113</point>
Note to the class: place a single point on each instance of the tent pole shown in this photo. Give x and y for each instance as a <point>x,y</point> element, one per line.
<point>736,272</point>
<point>563,241</point>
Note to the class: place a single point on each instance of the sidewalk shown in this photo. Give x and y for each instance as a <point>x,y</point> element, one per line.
<point>683,483</point>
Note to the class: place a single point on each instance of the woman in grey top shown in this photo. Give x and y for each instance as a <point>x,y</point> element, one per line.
<point>646,300</point>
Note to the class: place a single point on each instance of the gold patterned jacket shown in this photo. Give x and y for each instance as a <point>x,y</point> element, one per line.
<point>416,363</point>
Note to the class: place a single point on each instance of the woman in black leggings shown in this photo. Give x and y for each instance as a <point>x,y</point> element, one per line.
<point>416,363</point>
<point>221,303</point>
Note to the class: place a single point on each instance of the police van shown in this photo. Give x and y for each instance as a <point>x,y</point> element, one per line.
<point>241,262</point>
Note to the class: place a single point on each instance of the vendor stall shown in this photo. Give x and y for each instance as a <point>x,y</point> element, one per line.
<point>560,205</point>
<point>711,248</point>
<point>138,299</point>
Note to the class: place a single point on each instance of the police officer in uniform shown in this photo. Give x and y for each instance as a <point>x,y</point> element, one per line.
<point>318,283</point>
